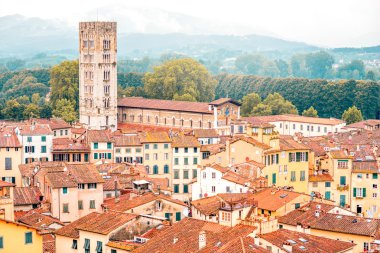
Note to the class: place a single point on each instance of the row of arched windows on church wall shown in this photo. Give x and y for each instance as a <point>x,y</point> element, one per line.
<point>165,121</point>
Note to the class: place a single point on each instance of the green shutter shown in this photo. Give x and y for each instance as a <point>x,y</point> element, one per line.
<point>185,188</point>
<point>364,192</point>
<point>1,243</point>
<point>290,157</point>
<point>274,178</point>
<point>167,216</point>
<point>374,176</point>
<point>95,155</point>
<point>342,180</point>
<point>327,195</point>
<point>307,156</point>
<point>178,216</point>
<point>354,192</point>
<point>109,156</point>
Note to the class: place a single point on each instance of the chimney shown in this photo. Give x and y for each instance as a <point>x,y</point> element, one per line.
<point>256,240</point>
<point>202,239</point>
<point>299,227</point>
<point>287,246</point>
<point>175,240</point>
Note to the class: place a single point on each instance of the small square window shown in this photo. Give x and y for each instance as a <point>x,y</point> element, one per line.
<point>64,190</point>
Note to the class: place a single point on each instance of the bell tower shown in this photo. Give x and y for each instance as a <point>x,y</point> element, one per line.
<point>98,75</point>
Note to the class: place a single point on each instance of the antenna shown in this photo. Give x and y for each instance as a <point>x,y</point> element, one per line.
<point>97,15</point>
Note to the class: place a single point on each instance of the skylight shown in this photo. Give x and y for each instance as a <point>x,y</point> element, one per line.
<point>303,239</point>
<point>291,241</point>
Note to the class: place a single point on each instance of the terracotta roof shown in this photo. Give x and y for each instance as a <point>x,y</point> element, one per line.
<point>236,178</point>
<point>39,220</point>
<point>273,199</point>
<point>242,244</point>
<point>69,145</point>
<point>127,140</point>
<point>183,236</point>
<point>100,136</point>
<point>301,242</point>
<point>85,173</point>
<point>128,246</point>
<point>54,123</point>
<point>288,143</point>
<point>365,167</point>
<point>167,105</point>
<point>217,167</point>
<point>182,141</point>
<point>71,230</point>
<point>8,139</point>
<point>105,223</point>
<point>325,177</point>
<point>137,127</point>
<point>330,221</point>
<point>293,118</point>
<point>48,243</point>
<point>37,129</point>
<point>213,148</point>
<point>205,133</point>
<point>251,141</point>
<point>340,154</point>
<point>61,179</point>
<point>154,137</point>
<point>127,202</point>
<point>5,184</point>
<point>222,101</point>
<point>109,184</point>
<point>27,195</point>
<point>207,206</point>
<point>362,124</point>
<point>76,130</point>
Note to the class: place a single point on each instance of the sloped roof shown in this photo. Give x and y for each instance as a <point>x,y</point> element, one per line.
<point>154,137</point>
<point>8,139</point>
<point>273,199</point>
<point>309,243</point>
<point>85,173</point>
<point>168,105</point>
<point>127,141</point>
<point>205,133</point>
<point>222,101</point>
<point>187,232</point>
<point>100,136</point>
<point>182,141</point>
<point>27,195</point>
<point>294,118</point>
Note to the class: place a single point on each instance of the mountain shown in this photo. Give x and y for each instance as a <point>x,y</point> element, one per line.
<point>28,36</point>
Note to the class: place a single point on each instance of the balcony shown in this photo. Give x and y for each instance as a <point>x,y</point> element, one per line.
<point>342,187</point>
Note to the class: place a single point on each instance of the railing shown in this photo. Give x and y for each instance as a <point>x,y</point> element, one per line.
<point>342,187</point>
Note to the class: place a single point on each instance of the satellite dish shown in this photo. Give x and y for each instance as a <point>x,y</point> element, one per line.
<point>185,212</point>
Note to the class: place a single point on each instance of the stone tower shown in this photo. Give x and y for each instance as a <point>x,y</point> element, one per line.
<point>98,75</point>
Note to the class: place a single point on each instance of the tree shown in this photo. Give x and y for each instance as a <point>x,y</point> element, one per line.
<point>371,75</point>
<point>261,110</point>
<point>65,109</point>
<point>15,64</point>
<point>31,111</point>
<point>352,115</point>
<point>318,64</point>
<point>13,110</point>
<point>354,70</point>
<point>279,105</point>
<point>283,67</point>
<point>249,102</point>
<point>64,81</point>
<point>311,112</point>
<point>46,111</point>
<point>178,77</point>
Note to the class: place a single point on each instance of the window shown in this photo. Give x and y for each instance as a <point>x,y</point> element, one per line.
<point>195,150</point>
<point>91,186</point>
<point>75,244</point>
<point>195,173</point>
<point>226,216</point>
<point>43,149</point>
<point>186,161</point>
<point>212,188</point>
<point>8,163</point>
<point>186,174</point>
<point>302,176</point>
<point>96,145</point>
<point>213,175</point>
<point>366,246</point>
<point>138,150</point>
<point>43,138</point>
<point>186,150</point>
<point>80,204</point>
<point>155,169</point>
<point>342,180</point>
<point>327,184</point>
<point>29,149</point>
<point>166,169</point>
<point>99,247</point>
<point>176,150</point>
<point>297,205</point>
<point>292,176</point>
<point>176,161</point>
<point>147,157</point>
<point>166,156</point>
<point>64,190</point>
<point>360,192</point>
<point>204,174</point>
<point>65,208</point>
<point>185,188</point>
<point>146,146</point>
<point>178,216</point>
<point>29,139</point>
<point>1,243</point>
<point>86,245</point>
<point>374,186</point>
<point>176,174</point>
<point>113,251</point>
<point>328,195</point>
<point>155,156</point>
<point>92,204</point>
<point>109,155</point>
<point>343,164</point>
<point>195,160</point>
<point>109,145</point>
<point>28,237</point>
<point>374,176</point>
<point>155,146</point>
<point>166,146</point>
<point>176,188</point>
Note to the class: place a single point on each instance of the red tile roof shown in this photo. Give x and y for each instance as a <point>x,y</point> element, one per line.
<point>127,140</point>
<point>54,123</point>
<point>37,129</point>
<point>48,243</point>
<point>273,199</point>
<point>183,236</point>
<point>8,139</point>
<point>222,101</point>
<point>5,184</point>
<point>301,242</point>
<point>70,145</point>
<point>38,220</point>
<point>242,244</point>
<point>100,136</point>
<point>205,133</point>
<point>182,141</point>
<point>85,173</point>
<point>155,137</point>
<point>27,195</point>
<point>293,118</point>
<point>167,105</point>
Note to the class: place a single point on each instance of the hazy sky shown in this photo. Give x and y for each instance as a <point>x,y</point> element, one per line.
<point>319,22</point>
